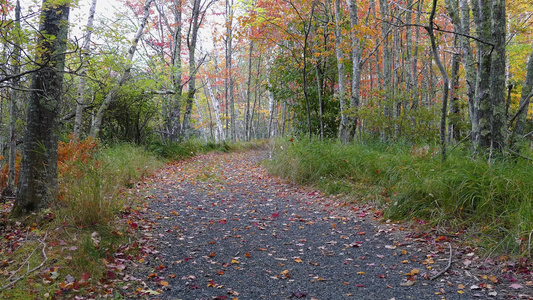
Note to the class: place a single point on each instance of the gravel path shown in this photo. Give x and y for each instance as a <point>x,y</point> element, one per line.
<point>225,229</point>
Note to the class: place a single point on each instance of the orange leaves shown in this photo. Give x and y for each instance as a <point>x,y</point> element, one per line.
<point>74,152</point>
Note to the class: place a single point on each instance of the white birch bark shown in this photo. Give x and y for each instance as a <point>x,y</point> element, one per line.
<point>216,107</point>
<point>80,103</point>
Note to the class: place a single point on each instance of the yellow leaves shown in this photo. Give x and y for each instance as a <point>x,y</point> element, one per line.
<point>163,283</point>
<point>234,261</point>
<point>361,273</point>
<point>413,272</point>
<point>298,260</point>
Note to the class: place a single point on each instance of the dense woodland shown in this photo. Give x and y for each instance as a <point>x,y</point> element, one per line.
<point>159,71</point>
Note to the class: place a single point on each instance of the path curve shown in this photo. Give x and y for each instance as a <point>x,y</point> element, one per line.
<point>225,229</point>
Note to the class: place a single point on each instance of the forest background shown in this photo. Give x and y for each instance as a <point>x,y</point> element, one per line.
<point>424,102</point>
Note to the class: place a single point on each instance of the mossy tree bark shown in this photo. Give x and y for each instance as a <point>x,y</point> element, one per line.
<point>38,184</point>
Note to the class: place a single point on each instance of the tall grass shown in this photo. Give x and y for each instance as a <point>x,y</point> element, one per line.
<point>490,202</point>
<point>90,187</point>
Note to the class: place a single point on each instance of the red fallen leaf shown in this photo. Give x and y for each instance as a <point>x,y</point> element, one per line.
<point>275,215</point>
<point>110,275</point>
<point>220,272</point>
<point>381,276</point>
<point>222,221</point>
<point>85,276</point>
<point>298,295</point>
<point>247,254</point>
<point>360,285</point>
<point>193,287</point>
<point>211,283</point>
<point>220,297</point>
<point>212,254</point>
<point>134,225</point>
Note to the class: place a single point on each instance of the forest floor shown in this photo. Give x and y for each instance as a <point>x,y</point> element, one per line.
<point>221,228</point>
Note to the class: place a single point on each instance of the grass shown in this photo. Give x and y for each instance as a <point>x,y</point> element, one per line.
<point>91,223</point>
<point>489,203</point>
<point>176,151</point>
<point>81,230</point>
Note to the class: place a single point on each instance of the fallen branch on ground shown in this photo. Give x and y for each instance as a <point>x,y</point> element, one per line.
<point>29,271</point>
<point>447,267</point>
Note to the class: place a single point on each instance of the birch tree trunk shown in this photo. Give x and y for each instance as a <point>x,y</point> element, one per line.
<point>216,108</point>
<point>38,184</point>
<point>344,134</point>
<point>387,67</point>
<point>81,103</point>
<point>97,121</point>
<point>229,79</point>
<point>248,87</point>
<point>357,52</point>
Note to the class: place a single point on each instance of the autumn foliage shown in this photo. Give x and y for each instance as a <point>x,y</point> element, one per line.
<point>73,153</point>
<point>70,155</point>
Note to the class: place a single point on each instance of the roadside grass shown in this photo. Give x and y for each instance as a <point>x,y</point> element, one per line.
<point>75,240</point>
<point>489,203</point>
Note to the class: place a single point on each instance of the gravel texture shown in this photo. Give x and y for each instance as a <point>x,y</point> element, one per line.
<point>224,229</point>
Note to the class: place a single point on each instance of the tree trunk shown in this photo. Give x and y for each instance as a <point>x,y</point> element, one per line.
<point>174,121</point>
<point>248,87</point>
<point>357,52</point>
<point>197,17</point>
<point>521,114</point>
<point>344,134</point>
<point>497,77</point>
<point>445,84</point>
<point>216,107</point>
<point>229,79</point>
<point>38,183</point>
<point>81,104</point>
<point>97,122</point>
<point>9,190</point>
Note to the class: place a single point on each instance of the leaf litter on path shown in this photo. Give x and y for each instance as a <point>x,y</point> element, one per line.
<point>240,233</point>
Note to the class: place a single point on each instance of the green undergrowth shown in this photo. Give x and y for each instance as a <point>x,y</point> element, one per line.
<point>182,150</point>
<point>74,244</point>
<point>490,203</point>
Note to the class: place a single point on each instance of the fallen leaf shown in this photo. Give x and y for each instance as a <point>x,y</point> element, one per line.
<point>516,286</point>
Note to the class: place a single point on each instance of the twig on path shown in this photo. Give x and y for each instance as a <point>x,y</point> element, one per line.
<point>447,267</point>
<point>29,271</point>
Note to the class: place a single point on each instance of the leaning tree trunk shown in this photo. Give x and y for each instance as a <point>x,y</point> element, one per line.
<point>80,104</point>
<point>38,183</point>
<point>445,84</point>
<point>97,122</point>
